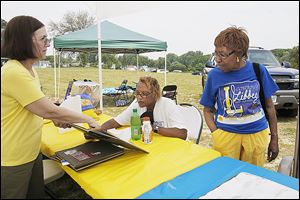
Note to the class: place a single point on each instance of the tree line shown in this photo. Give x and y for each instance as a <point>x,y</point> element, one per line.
<point>288,55</point>
<point>188,62</point>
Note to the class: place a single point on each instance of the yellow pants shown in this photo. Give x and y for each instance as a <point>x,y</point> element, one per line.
<point>246,147</point>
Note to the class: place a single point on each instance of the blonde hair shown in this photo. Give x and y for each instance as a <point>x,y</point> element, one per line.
<point>234,38</point>
<point>151,84</point>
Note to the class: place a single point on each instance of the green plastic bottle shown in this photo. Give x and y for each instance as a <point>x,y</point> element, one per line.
<point>135,123</point>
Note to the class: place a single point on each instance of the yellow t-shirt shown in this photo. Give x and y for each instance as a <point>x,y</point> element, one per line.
<point>20,129</point>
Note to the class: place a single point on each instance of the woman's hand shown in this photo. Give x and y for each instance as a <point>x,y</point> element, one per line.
<point>273,148</point>
<point>93,124</point>
<point>93,127</point>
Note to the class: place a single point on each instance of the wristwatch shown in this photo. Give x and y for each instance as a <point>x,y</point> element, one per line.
<point>155,128</point>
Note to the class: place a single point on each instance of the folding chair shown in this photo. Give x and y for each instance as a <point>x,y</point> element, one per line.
<point>121,95</point>
<point>286,165</point>
<point>193,120</point>
<point>170,91</point>
<point>122,89</point>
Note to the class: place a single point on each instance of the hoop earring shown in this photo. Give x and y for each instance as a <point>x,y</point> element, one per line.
<point>237,59</point>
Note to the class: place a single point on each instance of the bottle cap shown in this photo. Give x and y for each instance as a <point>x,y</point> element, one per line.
<point>146,118</point>
<point>134,110</point>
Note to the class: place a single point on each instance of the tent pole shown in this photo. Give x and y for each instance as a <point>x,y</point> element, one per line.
<point>58,85</point>
<point>137,61</point>
<point>165,68</point>
<point>54,68</point>
<point>100,65</point>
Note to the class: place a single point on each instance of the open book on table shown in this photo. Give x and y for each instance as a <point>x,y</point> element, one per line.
<point>88,154</point>
<point>94,152</point>
<point>105,136</point>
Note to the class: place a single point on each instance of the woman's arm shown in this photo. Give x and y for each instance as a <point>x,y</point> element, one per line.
<point>173,132</point>
<point>209,118</point>
<point>46,109</point>
<point>273,148</point>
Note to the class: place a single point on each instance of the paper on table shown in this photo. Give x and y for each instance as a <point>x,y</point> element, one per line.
<point>123,133</point>
<point>73,103</point>
<point>249,186</point>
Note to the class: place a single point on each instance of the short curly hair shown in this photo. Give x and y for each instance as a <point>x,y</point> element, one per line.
<point>235,39</point>
<point>151,84</point>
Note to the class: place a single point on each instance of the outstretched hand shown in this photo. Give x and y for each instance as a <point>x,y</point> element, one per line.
<point>93,126</point>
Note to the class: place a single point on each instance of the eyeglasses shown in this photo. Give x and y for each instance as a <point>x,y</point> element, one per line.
<point>46,40</point>
<point>142,94</point>
<point>222,55</point>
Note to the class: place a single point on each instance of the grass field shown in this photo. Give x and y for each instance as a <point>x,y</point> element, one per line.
<point>189,91</point>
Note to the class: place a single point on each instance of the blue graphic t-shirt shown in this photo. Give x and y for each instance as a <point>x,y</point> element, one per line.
<point>236,97</point>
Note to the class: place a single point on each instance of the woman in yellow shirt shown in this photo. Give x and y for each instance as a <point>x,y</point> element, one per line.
<point>23,107</point>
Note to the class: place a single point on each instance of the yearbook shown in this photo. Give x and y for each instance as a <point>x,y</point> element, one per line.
<point>89,154</point>
<point>105,136</point>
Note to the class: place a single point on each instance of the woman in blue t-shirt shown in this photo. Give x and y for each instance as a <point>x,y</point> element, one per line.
<point>232,108</point>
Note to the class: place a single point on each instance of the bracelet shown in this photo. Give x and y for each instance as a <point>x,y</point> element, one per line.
<point>155,129</point>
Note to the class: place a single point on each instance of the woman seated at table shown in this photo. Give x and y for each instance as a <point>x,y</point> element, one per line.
<point>163,112</point>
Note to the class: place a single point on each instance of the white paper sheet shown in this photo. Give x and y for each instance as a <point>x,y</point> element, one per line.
<point>249,186</point>
<point>123,133</point>
<point>73,103</point>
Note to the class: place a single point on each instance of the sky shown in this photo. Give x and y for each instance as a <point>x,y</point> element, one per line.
<point>184,25</point>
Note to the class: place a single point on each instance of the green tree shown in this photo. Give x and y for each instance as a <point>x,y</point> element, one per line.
<point>71,21</point>
<point>127,59</point>
<point>294,57</point>
<point>93,58</point>
<point>110,60</point>
<point>193,60</point>
<point>83,58</point>
<point>151,63</point>
<point>172,57</point>
<point>177,66</point>
<point>200,62</point>
<point>281,54</point>
<point>143,60</point>
<point>50,58</point>
<point>289,55</point>
<point>160,63</point>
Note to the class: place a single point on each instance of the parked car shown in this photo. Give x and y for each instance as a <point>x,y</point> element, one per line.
<point>286,99</point>
<point>153,70</point>
<point>197,73</point>
<point>162,71</point>
<point>177,71</point>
